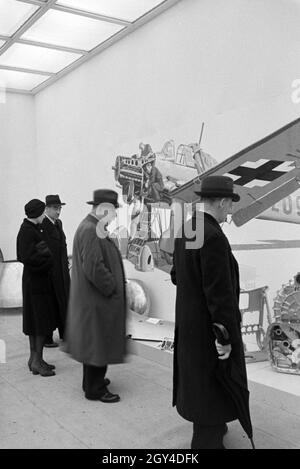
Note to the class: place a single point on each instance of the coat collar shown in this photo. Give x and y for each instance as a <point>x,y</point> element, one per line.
<point>50,223</point>
<point>209,219</point>
<point>48,219</point>
<point>29,223</point>
<point>91,218</point>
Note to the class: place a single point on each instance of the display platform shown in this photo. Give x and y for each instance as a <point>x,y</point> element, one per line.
<point>151,338</point>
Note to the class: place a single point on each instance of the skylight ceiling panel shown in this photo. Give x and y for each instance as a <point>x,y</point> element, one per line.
<point>37,58</point>
<point>70,30</point>
<point>13,14</point>
<point>20,80</point>
<point>128,10</point>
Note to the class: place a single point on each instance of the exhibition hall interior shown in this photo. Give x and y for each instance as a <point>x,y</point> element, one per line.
<point>146,98</point>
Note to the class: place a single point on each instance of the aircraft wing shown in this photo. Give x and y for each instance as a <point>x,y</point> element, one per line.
<point>263,173</point>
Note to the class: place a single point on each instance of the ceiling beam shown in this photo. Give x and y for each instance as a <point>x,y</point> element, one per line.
<point>17,90</point>
<point>76,11</point>
<point>52,46</point>
<point>36,15</point>
<point>87,55</point>
<point>26,70</point>
<point>112,40</point>
<point>33,2</point>
<point>46,45</point>
<point>88,14</point>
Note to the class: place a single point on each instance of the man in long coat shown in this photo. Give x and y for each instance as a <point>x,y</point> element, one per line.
<point>96,319</point>
<point>56,240</point>
<point>207,278</point>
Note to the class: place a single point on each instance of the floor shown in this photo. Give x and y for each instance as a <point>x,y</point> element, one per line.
<point>38,412</point>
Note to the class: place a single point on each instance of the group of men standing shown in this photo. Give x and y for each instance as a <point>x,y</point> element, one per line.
<point>41,247</point>
<point>207,282</point>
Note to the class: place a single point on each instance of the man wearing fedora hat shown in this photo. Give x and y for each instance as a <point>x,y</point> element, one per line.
<point>96,319</point>
<point>207,280</point>
<point>55,238</point>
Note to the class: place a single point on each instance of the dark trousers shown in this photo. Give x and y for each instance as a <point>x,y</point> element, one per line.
<point>208,437</point>
<point>93,380</point>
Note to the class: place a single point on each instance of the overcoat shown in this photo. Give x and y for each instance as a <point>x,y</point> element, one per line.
<point>207,279</point>
<point>55,238</point>
<point>96,317</point>
<point>38,294</point>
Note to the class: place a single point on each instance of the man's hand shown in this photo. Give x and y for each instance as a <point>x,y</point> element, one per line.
<point>223,350</point>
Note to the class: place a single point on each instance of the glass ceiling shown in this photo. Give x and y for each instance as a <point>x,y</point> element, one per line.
<point>42,40</point>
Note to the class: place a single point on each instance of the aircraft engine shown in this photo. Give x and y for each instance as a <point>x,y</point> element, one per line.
<point>283,335</point>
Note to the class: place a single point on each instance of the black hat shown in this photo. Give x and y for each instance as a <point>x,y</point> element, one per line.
<point>218,186</point>
<point>34,208</point>
<point>53,200</point>
<point>102,196</point>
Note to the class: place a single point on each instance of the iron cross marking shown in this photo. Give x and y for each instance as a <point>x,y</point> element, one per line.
<point>264,173</point>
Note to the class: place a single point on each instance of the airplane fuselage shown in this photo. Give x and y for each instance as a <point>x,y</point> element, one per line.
<point>286,210</point>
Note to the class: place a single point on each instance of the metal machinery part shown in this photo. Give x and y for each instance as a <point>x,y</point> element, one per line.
<point>257,302</point>
<point>283,335</point>
<point>130,176</point>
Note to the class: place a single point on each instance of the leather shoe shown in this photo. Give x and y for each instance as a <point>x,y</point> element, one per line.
<point>42,370</point>
<point>107,397</point>
<point>48,365</point>
<point>45,364</point>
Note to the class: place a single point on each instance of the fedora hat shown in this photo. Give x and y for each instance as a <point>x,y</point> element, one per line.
<point>102,196</point>
<point>218,186</point>
<point>53,200</point>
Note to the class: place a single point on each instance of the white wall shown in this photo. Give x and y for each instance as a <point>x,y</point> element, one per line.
<point>227,63</point>
<point>17,166</point>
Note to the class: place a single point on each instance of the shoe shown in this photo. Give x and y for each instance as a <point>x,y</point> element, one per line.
<point>48,365</point>
<point>51,345</point>
<point>42,370</point>
<point>107,397</point>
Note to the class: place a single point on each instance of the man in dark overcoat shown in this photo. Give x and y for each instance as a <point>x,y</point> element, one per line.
<point>96,334</point>
<point>37,289</point>
<point>56,240</point>
<point>207,278</point>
